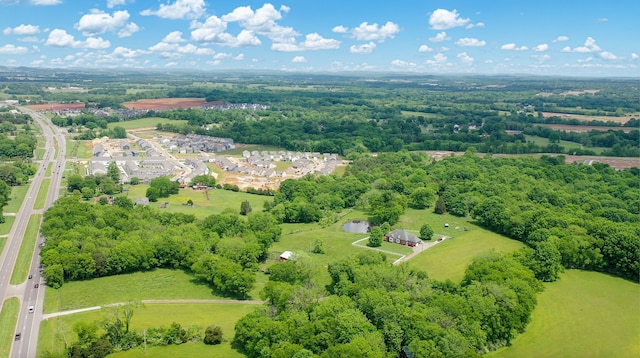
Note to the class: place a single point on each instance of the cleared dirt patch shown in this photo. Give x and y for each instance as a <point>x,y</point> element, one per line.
<point>57,106</point>
<point>582,117</point>
<point>170,103</point>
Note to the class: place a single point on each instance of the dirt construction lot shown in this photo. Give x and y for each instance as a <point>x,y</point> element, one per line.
<point>169,103</point>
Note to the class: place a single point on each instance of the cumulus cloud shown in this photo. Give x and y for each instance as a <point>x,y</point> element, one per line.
<point>363,49</point>
<point>262,21</point>
<point>608,55</point>
<point>340,29</point>
<point>23,30</point>
<point>299,59</point>
<point>99,22</point>
<point>440,37</point>
<point>124,52</point>
<point>60,38</point>
<point>439,57</point>
<point>634,56</point>
<point>425,48</point>
<point>181,9</point>
<point>401,64</point>
<point>312,41</point>
<point>541,48</point>
<point>588,47</point>
<point>240,57</point>
<point>561,39</point>
<point>173,49</point>
<point>470,26</point>
<point>442,19</point>
<point>469,41</point>
<point>464,58</point>
<point>10,49</point>
<point>174,37</point>
<point>366,32</point>
<point>512,47</point>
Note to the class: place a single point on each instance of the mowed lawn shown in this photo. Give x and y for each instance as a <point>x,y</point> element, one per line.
<point>450,258</point>
<point>583,314</point>
<point>218,200</point>
<point>54,331</point>
<point>154,284</point>
<point>150,122</point>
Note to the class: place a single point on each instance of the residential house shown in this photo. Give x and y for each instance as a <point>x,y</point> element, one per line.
<point>402,237</point>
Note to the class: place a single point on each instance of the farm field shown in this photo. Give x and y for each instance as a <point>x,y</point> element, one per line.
<point>219,200</point>
<point>583,314</point>
<point>572,128</point>
<point>582,117</point>
<point>169,103</point>
<point>154,284</point>
<point>449,259</point>
<point>54,330</point>
<point>566,144</point>
<point>143,123</point>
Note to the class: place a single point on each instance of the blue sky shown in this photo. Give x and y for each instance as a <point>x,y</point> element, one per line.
<point>542,37</point>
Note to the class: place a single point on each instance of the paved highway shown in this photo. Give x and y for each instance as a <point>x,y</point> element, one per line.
<point>29,322</point>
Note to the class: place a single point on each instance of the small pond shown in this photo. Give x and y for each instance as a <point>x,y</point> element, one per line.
<point>357,226</point>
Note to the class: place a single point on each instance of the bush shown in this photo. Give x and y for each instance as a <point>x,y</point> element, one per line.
<point>213,335</point>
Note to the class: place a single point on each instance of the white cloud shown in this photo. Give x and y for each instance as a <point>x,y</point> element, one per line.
<point>634,56</point>
<point>439,37</point>
<point>29,39</point>
<point>299,59</point>
<point>442,19</point>
<point>512,47</point>
<point>363,49</point>
<point>181,9</point>
<point>469,41</point>
<point>124,52</point>
<point>608,55</point>
<point>403,64</point>
<point>470,26</point>
<point>465,58</point>
<point>174,37</point>
<point>10,49</point>
<point>128,30</point>
<point>541,58</point>
<point>99,22</point>
<point>171,64</point>
<point>440,58</point>
<point>366,32</point>
<point>312,41</point>
<point>45,2</point>
<point>262,22</point>
<point>60,38</point>
<point>425,48</point>
<point>96,43</point>
<point>588,47</point>
<point>113,3</point>
<point>566,49</point>
<point>222,56</point>
<point>541,48</point>
<point>561,39</point>
<point>23,30</point>
<point>340,29</point>
<point>240,57</point>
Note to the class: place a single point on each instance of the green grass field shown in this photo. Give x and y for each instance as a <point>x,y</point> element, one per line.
<point>5,227</point>
<point>413,219</point>
<point>21,269</point>
<point>155,284</point>
<point>423,114</point>
<point>8,320</point>
<point>450,258</point>
<point>566,144</point>
<point>39,153</point>
<point>41,198</point>
<point>18,194</point>
<point>150,122</point>
<point>78,149</point>
<point>219,200</point>
<point>584,314</point>
<point>54,331</point>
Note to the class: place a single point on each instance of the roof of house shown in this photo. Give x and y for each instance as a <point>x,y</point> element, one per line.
<point>403,235</point>
<point>287,255</point>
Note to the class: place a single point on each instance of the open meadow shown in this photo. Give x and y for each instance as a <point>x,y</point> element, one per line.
<point>204,204</point>
<point>583,314</point>
<point>55,331</point>
<point>149,122</point>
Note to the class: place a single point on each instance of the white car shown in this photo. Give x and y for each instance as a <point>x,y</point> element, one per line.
<point>31,309</point>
